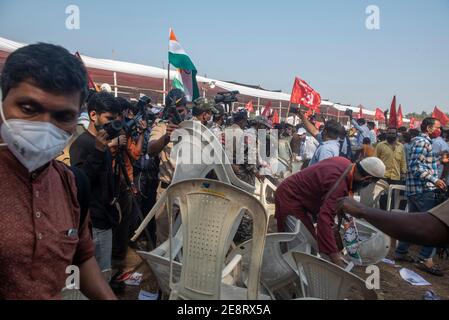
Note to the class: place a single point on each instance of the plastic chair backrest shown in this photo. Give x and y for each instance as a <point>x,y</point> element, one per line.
<point>327,281</point>
<point>304,240</point>
<point>397,197</point>
<point>198,141</point>
<point>211,212</point>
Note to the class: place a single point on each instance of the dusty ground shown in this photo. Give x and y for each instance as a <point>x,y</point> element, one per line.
<point>392,285</point>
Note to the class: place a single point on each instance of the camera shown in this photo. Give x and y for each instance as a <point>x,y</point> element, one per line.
<point>349,113</point>
<point>113,128</point>
<point>141,113</point>
<point>171,114</point>
<point>226,98</point>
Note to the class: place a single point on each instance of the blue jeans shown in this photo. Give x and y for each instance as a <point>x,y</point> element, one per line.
<point>422,202</point>
<point>103,248</point>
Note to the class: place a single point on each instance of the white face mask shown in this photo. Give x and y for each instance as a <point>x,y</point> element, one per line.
<point>33,143</point>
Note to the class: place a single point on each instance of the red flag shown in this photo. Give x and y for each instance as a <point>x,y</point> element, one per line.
<point>393,123</point>
<point>400,117</point>
<point>361,112</point>
<point>440,115</point>
<point>412,123</point>
<point>91,83</point>
<point>250,107</point>
<point>275,119</point>
<point>304,95</point>
<point>267,110</point>
<point>379,114</point>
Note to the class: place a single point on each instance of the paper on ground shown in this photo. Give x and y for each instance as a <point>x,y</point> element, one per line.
<point>135,279</point>
<point>413,278</point>
<point>145,295</point>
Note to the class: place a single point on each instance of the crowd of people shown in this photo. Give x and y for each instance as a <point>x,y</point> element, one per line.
<point>118,161</point>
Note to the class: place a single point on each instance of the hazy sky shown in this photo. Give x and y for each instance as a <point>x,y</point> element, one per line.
<point>325,42</point>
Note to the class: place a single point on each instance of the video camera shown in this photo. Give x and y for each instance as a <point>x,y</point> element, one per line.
<point>349,113</point>
<point>226,98</point>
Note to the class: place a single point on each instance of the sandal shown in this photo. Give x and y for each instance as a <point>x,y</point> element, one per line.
<point>433,270</point>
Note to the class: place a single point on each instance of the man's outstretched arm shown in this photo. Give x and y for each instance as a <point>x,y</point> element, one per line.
<point>92,282</point>
<point>417,228</point>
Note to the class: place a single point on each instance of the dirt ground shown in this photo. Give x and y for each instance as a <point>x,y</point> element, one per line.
<point>392,286</point>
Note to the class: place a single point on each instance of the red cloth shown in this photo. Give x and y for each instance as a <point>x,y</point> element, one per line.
<point>379,114</point>
<point>400,117</point>
<point>276,119</point>
<point>440,115</point>
<point>250,107</point>
<point>303,194</point>
<point>304,95</point>
<point>36,212</point>
<point>393,123</point>
<point>267,110</point>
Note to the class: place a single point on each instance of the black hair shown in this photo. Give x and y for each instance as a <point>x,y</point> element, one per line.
<point>426,123</point>
<point>382,137</point>
<point>176,97</point>
<point>51,68</point>
<point>366,141</point>
<point>125,104</point>
<point>413,133</point>
<point>333,129</point>
<point>361,121</point>
<point>407,137</point>
<point>102,102</point>
<point>402,129</point>
<point>371,125</point>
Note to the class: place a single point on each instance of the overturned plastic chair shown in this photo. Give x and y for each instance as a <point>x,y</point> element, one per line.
<point>211,212</point>
<point>327,281</point>
<point>277,276</point>
<point>194,139</point>
<point>374,244</point>
<point>159,262</point>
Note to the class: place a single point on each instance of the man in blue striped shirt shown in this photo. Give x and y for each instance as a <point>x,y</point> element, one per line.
<point>422,185</point>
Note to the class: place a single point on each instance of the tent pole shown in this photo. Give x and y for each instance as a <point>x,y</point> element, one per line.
<point>115,84</point>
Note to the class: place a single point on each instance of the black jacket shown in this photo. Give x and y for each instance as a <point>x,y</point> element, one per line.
<point>97,166</point>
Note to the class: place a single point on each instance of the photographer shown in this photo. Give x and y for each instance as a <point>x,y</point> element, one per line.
<point>90,153</point>
<point>125,149</point>
<point>160,144</point>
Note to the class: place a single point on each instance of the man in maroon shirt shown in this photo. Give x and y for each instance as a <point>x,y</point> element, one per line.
<point>42,236</point>
<point>315,191</point>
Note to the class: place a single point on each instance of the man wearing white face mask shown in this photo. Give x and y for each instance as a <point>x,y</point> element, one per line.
<point>42,231</point>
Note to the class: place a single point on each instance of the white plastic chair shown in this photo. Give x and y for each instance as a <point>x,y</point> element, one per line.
<point>72,294</point>
<point>211,212</point>
<point>304,241</point>
<point>374,246</point>
<point>370,195</point>
<point>194,143</point>
<point>396,190</point>
<point>327,281</point>
<point>277,275</point>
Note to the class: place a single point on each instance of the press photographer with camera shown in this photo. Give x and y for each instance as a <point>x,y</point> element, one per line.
<point>160,144</point>
<point>126,149</point>
<point>90,153</point>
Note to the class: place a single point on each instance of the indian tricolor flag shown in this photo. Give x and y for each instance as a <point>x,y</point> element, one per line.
<point>186,77</point>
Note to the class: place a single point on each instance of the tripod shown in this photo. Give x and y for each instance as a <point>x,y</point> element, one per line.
<point>120,169</point>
